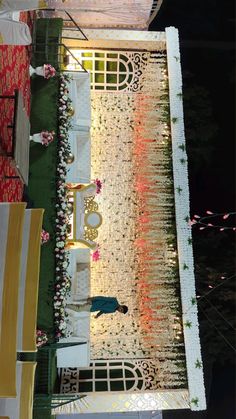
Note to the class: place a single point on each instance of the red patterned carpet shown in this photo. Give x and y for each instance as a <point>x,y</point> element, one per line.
<point>14,74</point>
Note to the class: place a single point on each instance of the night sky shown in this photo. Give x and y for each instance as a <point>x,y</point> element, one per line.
<point>207,42</point>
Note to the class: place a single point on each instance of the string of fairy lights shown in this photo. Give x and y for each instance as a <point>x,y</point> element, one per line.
<point>218,223</point>
<point>198,301</point>
<point>217,329</point>
<point>213,220</point>
<point>221,222</point>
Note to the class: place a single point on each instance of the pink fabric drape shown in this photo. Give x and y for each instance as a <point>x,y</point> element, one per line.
<point>107,13</point>
<point>93,13</point>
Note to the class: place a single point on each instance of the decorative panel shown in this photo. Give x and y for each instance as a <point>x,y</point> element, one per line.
<point>113,70</point>
<point>131,154</point>
<point>122,375</point>
<point>100,402</point>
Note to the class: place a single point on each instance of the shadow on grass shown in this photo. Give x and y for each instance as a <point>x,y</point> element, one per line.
<point>36,152</point>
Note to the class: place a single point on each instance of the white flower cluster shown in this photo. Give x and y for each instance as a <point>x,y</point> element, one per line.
<point>197,398</point>
<point>62,283</point>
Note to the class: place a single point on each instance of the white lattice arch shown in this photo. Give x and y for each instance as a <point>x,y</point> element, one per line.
<point>112,70</point>
<point>129,70</point>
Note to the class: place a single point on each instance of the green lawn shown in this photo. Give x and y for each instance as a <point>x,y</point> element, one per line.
<point>42,192</point>
<point>42,188</point>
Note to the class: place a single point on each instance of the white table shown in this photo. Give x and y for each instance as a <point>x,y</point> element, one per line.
<point>78,323</point>
<point>79,93</point>
<point>79,136</point>
<point>20,135</point>
<point>80,170</point>
<point>14,33</point>
<point>79,271</point>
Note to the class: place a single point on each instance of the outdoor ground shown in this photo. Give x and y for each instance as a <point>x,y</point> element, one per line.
<point>14,74</point>
<point>40,98</point>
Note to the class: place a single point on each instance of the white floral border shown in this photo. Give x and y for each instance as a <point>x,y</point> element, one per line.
<point>197,398</point>
<point>62,279</point>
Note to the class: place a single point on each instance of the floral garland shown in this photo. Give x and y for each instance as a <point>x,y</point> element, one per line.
<point>62,280</point>
<point>218,221</point>
<point>41,338</point>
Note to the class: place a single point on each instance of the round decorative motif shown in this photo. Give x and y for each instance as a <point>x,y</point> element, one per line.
<point>90,204</point>
<point>71,111</point>
<point>93,219</point>
<point>90,233</point>
<point>70,158</point>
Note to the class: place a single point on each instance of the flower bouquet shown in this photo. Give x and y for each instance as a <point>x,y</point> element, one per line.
<point>98,184</point>
<point>44,236</point>
<point>41,338</point>
<point>47,137</point>
<point>95,255</point>
<point>47,71</point>
<point>44,137</point>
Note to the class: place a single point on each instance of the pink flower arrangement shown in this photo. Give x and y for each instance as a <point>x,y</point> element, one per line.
<point>41,338</point>
<point>95,256</point>
<point>44,236</point>
<point>98,184</point>
<point>47,137</point>
<point>49,71</point>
